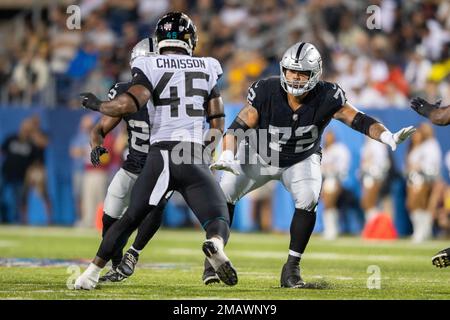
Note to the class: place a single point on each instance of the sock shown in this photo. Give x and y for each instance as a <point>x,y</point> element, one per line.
<point>218,227</point>
<point>302,226</point>
<point>218,242</point>
<point>149,226</point>
<point>107,222</point>
<point>134,251</point>
<point>330,223</point>
<point>231,212</point>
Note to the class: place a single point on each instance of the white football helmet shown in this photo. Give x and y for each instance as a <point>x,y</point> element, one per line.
<point>302,56</point>
<point>144,48</point>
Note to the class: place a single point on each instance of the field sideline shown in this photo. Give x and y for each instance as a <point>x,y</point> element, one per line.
<point>171,266</point>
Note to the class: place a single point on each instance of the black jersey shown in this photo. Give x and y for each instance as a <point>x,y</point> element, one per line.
<point>138,128</point>
<point>293,136</point>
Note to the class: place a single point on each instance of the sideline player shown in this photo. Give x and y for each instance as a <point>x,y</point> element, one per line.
<point>179,90</point>
<point>335,166</point>
<point>290,112</point>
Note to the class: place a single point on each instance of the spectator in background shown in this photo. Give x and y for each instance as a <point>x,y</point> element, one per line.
<point>423,168</point>
<point>30,77</point>
<point>335,166</point>
<point>262,206</point>
<point>63,47</point>
<point>374,168</point>
<point>78,153</point>
<point>19,152</point>
<point>36,174</point>
<point>84,62</point>
<point>417,70</point>
<point>94,182</point>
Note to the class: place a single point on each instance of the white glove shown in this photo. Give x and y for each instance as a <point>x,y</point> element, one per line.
<point>226,162</point>
<point>394,139</point>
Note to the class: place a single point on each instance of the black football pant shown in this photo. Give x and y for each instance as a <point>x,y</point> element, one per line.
<point>163,172</point>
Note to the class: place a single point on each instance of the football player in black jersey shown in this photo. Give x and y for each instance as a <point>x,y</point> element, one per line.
<point>118,195</point>
<point>290,113</point>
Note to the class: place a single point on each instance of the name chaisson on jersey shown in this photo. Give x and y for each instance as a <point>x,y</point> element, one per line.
<point>166,63</point>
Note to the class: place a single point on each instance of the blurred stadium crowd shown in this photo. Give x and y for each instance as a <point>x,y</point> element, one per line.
<point>44,64</point>
<point>42,61</point>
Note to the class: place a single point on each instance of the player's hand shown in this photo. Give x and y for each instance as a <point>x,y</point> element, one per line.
<point>96,153</point>
<point>90,101</point>
<point>423,107</point>
<point>394,139</point>
<point>226,162</point>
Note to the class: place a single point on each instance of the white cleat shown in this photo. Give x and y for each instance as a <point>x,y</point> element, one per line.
<point>220,262</point>
<point>88,279</point>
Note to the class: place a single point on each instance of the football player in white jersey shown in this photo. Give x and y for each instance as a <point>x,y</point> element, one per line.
<point>119,190</point>
<point>180,91</point>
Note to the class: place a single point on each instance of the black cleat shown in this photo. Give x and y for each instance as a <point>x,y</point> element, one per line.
<point>220,262</point>
<point>112,276</point>
<point>442,258</point>
<point>210,276</point>
<point>290,276</point>
<point>128,263</point>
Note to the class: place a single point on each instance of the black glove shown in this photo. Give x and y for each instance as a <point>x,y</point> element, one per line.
<point>96,153</point>
<point>90,101</point>
<point>423,107</point>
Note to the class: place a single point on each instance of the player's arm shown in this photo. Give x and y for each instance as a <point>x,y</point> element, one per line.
<point>98,133</point>
<point>437,115</point>
<point>247,118</point>
<point>372,128</point>
<point>124,104</point>
<point>215,116</point>
<point>441,116</point>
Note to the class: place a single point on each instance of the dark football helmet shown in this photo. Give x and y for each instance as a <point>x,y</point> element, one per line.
<point>176,30</point>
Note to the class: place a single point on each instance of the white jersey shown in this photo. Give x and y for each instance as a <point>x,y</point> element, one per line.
<point>335,161</point>
<point>181,87</point>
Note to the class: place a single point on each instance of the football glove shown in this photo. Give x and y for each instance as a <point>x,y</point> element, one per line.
<point>90,101</point>
<point>423,107</point>
<point>96,153</point>
<point>226,162</point>
<point>394,139</point>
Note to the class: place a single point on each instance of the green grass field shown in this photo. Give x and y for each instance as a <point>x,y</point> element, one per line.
<point>171,267</point>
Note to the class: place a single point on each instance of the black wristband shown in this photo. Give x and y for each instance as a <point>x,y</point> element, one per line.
<point>215,116</point>
<point>238,123</point>
<point>136,102</point>
<point>362,122</point>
